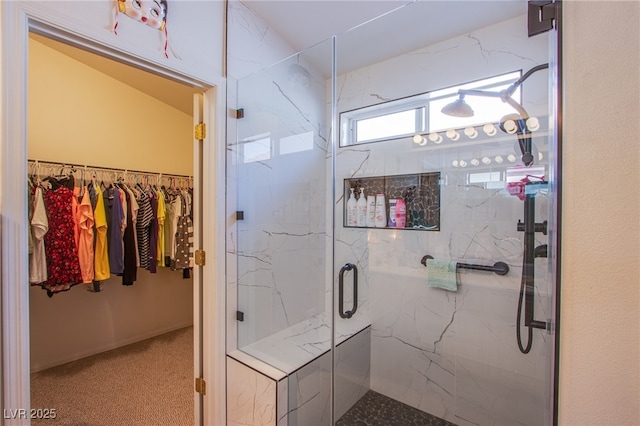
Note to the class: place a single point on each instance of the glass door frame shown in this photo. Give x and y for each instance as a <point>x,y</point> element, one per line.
<point>555,150</point>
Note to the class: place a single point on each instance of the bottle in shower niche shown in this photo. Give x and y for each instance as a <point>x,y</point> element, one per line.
<point>352,218</point>
<point>401,213</point>
<point>371,211</point>
<point>361,209</point>
<point>381,211</point>
<point>392,213</point>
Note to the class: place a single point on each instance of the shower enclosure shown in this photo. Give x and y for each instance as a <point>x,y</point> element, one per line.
<point>444,306</point>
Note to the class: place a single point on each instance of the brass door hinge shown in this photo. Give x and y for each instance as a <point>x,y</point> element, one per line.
<point>201,386</point>
<point>201,131</point>
<point>200,258</point>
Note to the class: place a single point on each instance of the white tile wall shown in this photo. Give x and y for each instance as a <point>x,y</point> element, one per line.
<point>302,396</point>
<point>251,396</point>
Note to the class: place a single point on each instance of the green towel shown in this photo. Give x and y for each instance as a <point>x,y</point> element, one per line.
<point>442,274</point>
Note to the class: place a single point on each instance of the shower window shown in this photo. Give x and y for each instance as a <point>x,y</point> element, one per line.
<point>403,123</point>
<point>419,114</point>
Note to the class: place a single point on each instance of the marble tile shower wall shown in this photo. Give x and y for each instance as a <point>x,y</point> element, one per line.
<point>276,255</point>
<point>452,354</point>
<point>282,192</point>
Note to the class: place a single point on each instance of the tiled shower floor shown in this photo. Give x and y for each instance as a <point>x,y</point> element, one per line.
<point>376,409</point>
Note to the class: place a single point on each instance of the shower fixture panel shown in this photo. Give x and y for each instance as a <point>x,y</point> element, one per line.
<point>527,286</point>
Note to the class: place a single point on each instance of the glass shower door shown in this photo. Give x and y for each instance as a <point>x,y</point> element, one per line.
<point>444,249</point>
<point>280,243</point>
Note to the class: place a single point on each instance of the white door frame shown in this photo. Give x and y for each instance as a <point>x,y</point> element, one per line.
<point>214,231</point>
<point>213,307</point>
<point>15,23</point>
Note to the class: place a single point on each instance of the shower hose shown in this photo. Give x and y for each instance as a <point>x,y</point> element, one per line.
<point>524,350</point>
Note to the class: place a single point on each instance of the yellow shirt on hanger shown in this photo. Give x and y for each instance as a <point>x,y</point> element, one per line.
<point>161,216</point>
<point>101,259</point>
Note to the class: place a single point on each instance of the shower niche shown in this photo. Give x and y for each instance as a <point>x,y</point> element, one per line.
<point>420,193</point>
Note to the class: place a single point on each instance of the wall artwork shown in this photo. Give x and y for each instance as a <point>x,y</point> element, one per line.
<point>152,13</point>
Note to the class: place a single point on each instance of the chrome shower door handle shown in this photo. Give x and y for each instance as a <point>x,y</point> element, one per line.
<point>347,267</point>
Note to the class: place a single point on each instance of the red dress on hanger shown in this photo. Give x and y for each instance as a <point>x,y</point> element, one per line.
<point>63,266</point>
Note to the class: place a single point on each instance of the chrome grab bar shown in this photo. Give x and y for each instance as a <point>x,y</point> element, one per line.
<point>499,268</point>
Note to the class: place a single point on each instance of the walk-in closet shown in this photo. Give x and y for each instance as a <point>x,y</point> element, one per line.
<point>115,348</point>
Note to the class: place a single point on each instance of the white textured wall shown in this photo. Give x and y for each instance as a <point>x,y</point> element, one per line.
<point>600,312</point>
<point>79,115</point>
<point>88,323</point>
<point>195,30</point>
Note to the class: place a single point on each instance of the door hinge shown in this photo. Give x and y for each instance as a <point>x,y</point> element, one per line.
<point>201,386</point>
<point>541,16</point>
<point>201,131</point>
<point>240,113</point>
<point>200,257</point>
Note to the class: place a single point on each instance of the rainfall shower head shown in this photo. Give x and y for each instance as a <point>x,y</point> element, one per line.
<point>512,123</point>
<point>458,108</point>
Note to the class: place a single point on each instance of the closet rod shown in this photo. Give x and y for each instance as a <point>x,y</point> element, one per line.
<point>100,168</point>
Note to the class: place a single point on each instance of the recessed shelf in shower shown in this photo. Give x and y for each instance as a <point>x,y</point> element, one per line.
<point>420,193</point>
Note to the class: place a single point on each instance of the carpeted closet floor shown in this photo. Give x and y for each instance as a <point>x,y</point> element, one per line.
<point>149,383</point>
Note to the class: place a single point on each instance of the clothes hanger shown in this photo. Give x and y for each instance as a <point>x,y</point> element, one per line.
<point>52,179</point>
<point>82,181</point>
<point>33,174</point>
